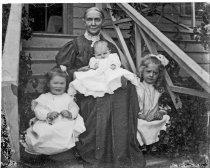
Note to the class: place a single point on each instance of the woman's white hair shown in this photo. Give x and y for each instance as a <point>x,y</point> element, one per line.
<point>94,9</point>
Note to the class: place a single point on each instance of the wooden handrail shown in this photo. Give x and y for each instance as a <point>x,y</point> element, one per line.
<point>198,73</point>
<point>123,43</point>
<point>10,69</point>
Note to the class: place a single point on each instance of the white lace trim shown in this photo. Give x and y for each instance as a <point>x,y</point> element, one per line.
<point>92,38</point>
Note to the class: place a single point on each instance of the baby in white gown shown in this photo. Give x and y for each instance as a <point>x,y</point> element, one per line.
<point>104,75</point>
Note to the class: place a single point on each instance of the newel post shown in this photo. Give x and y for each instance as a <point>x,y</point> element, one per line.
<point>10,69</point>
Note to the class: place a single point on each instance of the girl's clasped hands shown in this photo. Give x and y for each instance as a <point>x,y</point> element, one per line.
<point>51,116</point>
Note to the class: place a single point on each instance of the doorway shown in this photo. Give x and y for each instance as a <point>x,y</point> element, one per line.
<point>46,17</point>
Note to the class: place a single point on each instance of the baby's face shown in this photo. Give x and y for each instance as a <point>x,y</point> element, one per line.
<point>101,52</point>
<point>57,85</point>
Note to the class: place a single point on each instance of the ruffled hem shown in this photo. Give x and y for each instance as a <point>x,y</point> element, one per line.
<point>98,86</point>
<point>148,132</point>
<point>42,138</point>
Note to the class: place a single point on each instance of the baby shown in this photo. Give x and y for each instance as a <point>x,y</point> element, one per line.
<point>103,76</point>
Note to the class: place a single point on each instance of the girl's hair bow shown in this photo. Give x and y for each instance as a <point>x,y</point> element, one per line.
<point>164,61</point>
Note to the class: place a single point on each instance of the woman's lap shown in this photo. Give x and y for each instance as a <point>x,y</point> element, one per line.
<point>111,123</point>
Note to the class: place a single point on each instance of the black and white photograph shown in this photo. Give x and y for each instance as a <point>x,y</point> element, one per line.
<point>105,84</point>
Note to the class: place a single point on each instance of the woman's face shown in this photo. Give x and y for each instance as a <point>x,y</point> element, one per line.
<point>57,85</point>
<point>93,22</point>
<point>151,73</point>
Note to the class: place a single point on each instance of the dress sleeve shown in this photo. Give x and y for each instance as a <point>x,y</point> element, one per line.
<point>39,108</point>
<point>141,99</point>
<point>133,79</point>
<point>67,57</point>
<point>73,108</point>
<point>114,59</point>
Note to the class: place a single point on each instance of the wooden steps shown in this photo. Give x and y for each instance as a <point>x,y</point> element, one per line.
<point>151,162</point>
<point>43,48</point>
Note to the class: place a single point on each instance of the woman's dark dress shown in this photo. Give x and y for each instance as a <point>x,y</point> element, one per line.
<point>111,121</point>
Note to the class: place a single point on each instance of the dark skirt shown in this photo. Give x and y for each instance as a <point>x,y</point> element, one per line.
<point>111,123</point>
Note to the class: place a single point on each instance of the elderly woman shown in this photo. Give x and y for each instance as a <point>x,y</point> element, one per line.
<point>111,121</point>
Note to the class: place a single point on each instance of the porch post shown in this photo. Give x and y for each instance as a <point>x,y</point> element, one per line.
<point>10,68</point>
<point>193,14</point>
<point>138,47</point>
<point>208,131</point>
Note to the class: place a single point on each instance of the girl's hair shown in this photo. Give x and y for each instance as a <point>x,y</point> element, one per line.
<point>56,71</point>
<point>160,82</point>
<point>94,9</point>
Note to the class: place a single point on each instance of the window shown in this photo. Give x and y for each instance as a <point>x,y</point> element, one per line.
<point>47,17</point>
<point>186,9</point>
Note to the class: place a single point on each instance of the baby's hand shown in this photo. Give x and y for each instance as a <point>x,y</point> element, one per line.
<point>51,116</point>
<point>66,114</point>
<point>113,66</point>
<point>96,66</point>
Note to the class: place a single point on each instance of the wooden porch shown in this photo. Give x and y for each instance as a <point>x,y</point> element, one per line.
<point>47,46</point>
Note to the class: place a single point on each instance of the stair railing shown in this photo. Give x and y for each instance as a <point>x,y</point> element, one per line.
<point>10,69</point>
<point>145,31</point>
<point>151,34</point>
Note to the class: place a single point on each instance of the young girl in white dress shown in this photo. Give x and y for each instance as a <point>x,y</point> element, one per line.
<point>151,118</point>
<point>57,124</point>
<point>104,75</point>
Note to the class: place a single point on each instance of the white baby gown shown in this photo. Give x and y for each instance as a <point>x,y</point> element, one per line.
<point>45,138</point>
<point>148,130</point>
<point>97,82</point>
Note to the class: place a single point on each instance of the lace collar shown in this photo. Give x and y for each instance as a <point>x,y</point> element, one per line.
<point>92,38</point>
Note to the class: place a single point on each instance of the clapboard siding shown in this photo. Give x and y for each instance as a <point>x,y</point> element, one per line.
<point>192,47</point>
<point>42,67</point>
<point>47,42</point>
<point>183,73</point>
<point>39,55</point>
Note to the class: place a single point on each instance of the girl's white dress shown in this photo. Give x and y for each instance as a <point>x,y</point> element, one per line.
<point>149,129</point>
<point>45,138</point>
<point>97,82</point>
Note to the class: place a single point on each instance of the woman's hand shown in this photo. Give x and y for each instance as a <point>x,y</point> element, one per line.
<point>66,114</point>
<point>158,115</point>
<point>141,116</point>
<point>83,69</point>
<point>124,82</point>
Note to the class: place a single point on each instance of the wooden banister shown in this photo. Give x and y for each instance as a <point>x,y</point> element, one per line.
<point>123,43</point>
<point>10,69</point>
<point>152,48</point>
<point>198,73</point>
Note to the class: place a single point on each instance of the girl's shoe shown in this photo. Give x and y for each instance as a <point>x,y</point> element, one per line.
<point>143,148</point>
<point>154,149</point>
